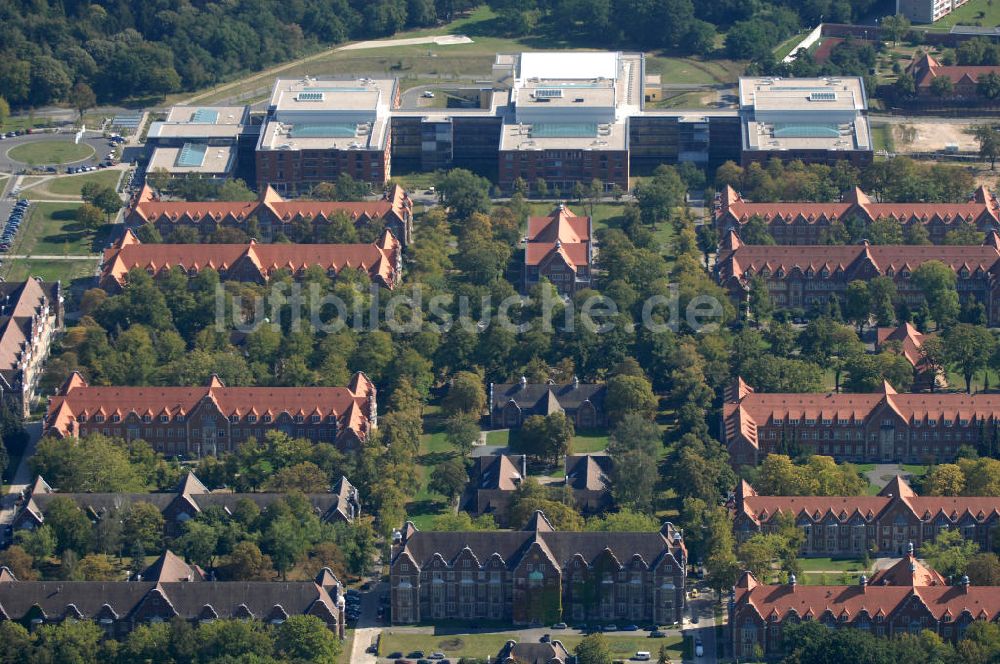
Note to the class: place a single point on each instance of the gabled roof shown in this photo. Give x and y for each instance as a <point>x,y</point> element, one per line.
<point>537,395</point>
<point>353,410</point>
<point>20,303</point>
<point>907,571</point>
<point>561,225</point>
<point>982,207</point>
<point>588,472</point>
<point>168,567</point>
<point>379,259</point>
<point>910,340</point>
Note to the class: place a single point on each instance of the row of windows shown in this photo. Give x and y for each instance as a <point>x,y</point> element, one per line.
<point>234,419</point>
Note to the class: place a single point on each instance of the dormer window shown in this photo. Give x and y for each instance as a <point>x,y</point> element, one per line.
<point>331,419</point>
<point>98,418</point>
<point>147,418</point>
<point>780,273</point>
<point>315,419</point>
<point>904,273</point>
<point>964,273</point>
<point>931,423</point>
<point>810,421</point>
<point>963,423</point>
<point>164,419</point>
<point>251,419</point>
<point>842,422</point>
<point>793,420</point>
<point>890,272</point>
<point>267,419</point>
<point>827,421</point>
<point>947,423</point>
<point>234,419</point>
<point>916,421</point>
<point>116,418</point>
<point>180,418</point>
<point>809,273</point>
<point>81,418</point>
<point>825,273</point>
<point>299,419</point>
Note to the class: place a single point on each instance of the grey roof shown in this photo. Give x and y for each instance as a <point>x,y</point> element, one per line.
<point>588,472</point>
<point>543,399</point>
<point>511,544</point>
<point>533,653</point>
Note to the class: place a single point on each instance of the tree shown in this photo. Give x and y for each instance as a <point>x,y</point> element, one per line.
<point>95,567</point>
<point>465,394</point>
<point>39,543</point>
<point>82,97</point>
<point>306,639</point>
<point>593,649</point>
<point>755,231</point>
<point>635,447</point>
<point>89,216</point>
<point>20,564</point>
<point>946,479</point>
<point>987,135</point>
<point>449,478</point>
<point>247,563</point>
<point>305,477</point>
<point>543,437</point>
<point>658,196</point>
<point>4,112</point>
<point>988,85</point>
<point>949,553</point>
<point>858,304</point>
<point>462,431</point>
<point>464,192</point>
<point>895,27</point>
<point>629,394</point>
<point>198,543</point>
<point>937,282</point>
<point>69,524</point>
<point>942,86</point>
<point>885,230</point>
<point>968,349</point>
<point>108,201</point>
<point>983,569</point>
<point>142,523</point>
<point>759,306</point>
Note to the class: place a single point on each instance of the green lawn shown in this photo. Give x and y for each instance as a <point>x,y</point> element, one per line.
<point>24,122</point>
<point>449,63</point>
<point>915,470</point>
<point>488,644</point>
<point>50,152</point>
<point>498,437</point>
<point>52,229</point>
<point>64,271</point>
<point>70,185</point>
<point>838,564</point>
<point>975,12</point>
<point>882,138</point>
<point>588,443</point>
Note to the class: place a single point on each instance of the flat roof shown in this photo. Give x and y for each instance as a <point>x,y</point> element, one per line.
<point>191,158</point>
<point>802,94</point>
<point>310,94</point>
<point>563,135</point>
<point>569,65</point>
<point>324,135</point>
<point>566,94</point>
<point>214,115</point>
<point>855,135</point>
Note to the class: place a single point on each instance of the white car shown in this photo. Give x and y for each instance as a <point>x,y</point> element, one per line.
<point>642,656</point>
<point>428,94</point>
<point>699,650</point>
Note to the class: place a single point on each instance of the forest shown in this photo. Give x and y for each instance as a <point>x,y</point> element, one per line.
<point>81,52</point>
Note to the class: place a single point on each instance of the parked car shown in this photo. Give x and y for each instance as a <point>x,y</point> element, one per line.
<point>642,656</point>
<point>559,625</point>
<point>546,638</point>
<point>630,628</point>
<point>699,649</point>
<point>611,628</point>
<point>436,655</point>
<point>657,634</point>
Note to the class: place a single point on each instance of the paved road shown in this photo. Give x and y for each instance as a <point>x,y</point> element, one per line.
<point>704,629</point>
<point>20,481</point>
<point>883,472</point>
<point>93,139</point>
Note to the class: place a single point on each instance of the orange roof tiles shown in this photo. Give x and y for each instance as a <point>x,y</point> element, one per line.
<point>353,406</point>
<point>381,260</point>
<point>560,233</point>
<point>856,202</point>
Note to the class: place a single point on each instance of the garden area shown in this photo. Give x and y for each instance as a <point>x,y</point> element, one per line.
<point>50,152</point>
<point>69,186</point>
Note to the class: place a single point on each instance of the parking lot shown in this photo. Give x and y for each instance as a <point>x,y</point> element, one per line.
<point>94,140</point>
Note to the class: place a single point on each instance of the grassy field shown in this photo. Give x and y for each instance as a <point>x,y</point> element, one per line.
<point>830,564</point>
<point>882,138</point>
<point>915,470</point>
<point>588,443</point>
<point>417,64</point>
<point>48,270</point>
<point>52,230</point>
<point>488,644</point>
<point>497,437</point>
<point>975,12</point>
<point>50,152</point>
<point>70,185</point>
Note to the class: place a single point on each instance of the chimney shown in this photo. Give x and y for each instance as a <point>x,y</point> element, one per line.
<point>863,582</point>
<point>964,583</point>
<point>791,581</point>
<point>524,382</point>
<point>524,466</point>
<point>576,382</point>
<point>909,549</point>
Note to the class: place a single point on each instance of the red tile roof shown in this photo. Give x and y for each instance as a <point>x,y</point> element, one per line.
<point>562,233</point>
<point>842,261</point>
<point>148,208</point>
<point>909,338</point>
<point>381,259</point>
<point>352,406</point>
<point>925,69</point>
<point>908,571</point>
<point>856,202</point>
<point>848,602</point>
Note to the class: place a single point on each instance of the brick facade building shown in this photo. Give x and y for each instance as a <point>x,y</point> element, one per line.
<point>879,427</point>
<point>888,524</point>
<point>31,313</point>
<point>512,403</point>
<point>806,223</point>
<point>964,78</point>
<point>538,575</point>
<point>559,248</point>
<point>804,277</point>
<point>196,421</point>
<point>382,261</point>
<point>185,502</point>
<point>272,214</point>
<point>913,601</point>
<point>169,589</point>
